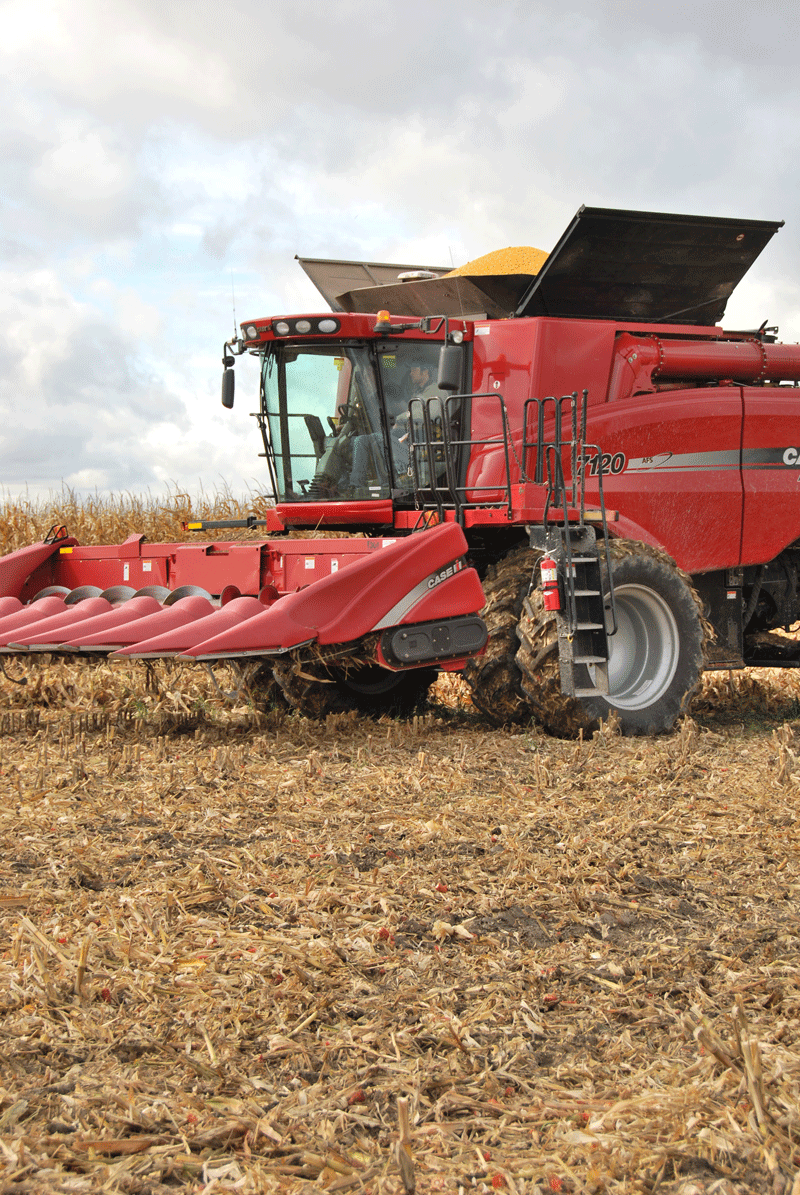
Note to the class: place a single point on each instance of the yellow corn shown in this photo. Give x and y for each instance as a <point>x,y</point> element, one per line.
<point>516,259</point>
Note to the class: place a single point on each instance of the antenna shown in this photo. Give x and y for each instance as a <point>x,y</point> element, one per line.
<point>233,299</point>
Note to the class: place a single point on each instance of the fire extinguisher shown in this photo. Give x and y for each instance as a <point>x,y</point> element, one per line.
<point>551,597</point>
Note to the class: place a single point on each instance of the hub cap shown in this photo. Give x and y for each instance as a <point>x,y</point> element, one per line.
<point>644,652</point>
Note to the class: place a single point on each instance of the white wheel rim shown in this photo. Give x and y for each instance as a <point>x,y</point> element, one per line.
<point>644,652</point>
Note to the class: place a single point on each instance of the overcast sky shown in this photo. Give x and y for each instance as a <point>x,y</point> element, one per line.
<point>156,154</point>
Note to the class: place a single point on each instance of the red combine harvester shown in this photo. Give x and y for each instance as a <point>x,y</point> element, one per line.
<point>582,455</point>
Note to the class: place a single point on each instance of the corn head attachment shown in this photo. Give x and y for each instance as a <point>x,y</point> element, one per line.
<point>387,606</point>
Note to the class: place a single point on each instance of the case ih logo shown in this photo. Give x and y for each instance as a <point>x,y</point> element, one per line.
<point>449,571</point>
<point>791,456</point>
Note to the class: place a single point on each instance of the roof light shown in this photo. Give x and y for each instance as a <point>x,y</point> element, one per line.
<point>281,327</point>
<point>302,325</point>
<point>328,325</point>
<point>251,331</point>
<point>383,323</point>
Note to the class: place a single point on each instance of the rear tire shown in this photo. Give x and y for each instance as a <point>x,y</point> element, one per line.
<point>656,656</point>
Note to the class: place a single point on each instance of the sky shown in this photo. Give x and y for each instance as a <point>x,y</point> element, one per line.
<point>160,159</point>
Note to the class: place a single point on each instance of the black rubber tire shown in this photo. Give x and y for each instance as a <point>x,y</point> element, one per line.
<point>656,657</point>
<point>494,678</point>
<point>263,687</point>
<point>316,691</point>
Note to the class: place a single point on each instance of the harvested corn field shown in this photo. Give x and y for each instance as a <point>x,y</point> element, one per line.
<point>242,951</point>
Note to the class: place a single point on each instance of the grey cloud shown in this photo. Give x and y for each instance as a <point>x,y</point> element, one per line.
<point>345,129</point>
<point>74,394</point>
<point>40,455</point>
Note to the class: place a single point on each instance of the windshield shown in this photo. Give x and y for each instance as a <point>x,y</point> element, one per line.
<point>338,417</point>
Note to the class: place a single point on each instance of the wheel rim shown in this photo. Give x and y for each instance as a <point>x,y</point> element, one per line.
<point>644,652</point>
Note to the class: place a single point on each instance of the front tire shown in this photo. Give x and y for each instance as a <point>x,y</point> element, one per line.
<point>656,656</point>
<point>494,677</point>
<point>316,691</point>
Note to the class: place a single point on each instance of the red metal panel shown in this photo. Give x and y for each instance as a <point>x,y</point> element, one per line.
<point>166,618</point>
<point>335,514</point>
<point>107,565</point>
<point>348,604</point>
<point>209,565</point>
<point>137,607</point>
<point>215,565</point>
<point>771,472</point>
<point>49,629</point>
<point>17,567</point>
<point>529,358</point>
<point>304,561</point>
<point>672,469</point>
<point>460,594</point>
<point>178,639</point>
<point>14,623</point>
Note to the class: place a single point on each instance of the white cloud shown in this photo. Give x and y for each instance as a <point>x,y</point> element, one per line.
<point>84,170</point>
<point>151,151</point>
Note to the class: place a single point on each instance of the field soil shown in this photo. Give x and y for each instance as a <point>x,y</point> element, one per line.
<point>244,951</point>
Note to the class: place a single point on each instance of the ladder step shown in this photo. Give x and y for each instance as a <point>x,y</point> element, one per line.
<point>584,560</point>
<point>588,626</point>
<point>589,659</point>
<point>587,693</point>
<point>587,593</point>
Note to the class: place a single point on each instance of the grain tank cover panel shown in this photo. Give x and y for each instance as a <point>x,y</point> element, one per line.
<point>462,296</point>
<point>332,278</point>
<point>651,267</point>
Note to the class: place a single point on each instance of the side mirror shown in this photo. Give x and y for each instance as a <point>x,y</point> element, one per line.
<point>450,367</point>
<point>228,383</point>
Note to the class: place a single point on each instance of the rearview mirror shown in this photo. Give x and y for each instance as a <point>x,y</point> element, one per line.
<point>450,358</point>
<point>228,384</point>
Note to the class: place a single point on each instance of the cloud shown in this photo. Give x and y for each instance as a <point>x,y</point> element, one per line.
<point>75,394</point>
<point>83,169</point>
<point>158,157</point>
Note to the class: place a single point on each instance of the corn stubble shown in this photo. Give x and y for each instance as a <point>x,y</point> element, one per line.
<point>252,952</point>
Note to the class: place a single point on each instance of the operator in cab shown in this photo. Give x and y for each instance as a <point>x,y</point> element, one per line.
<point>368,458</point>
